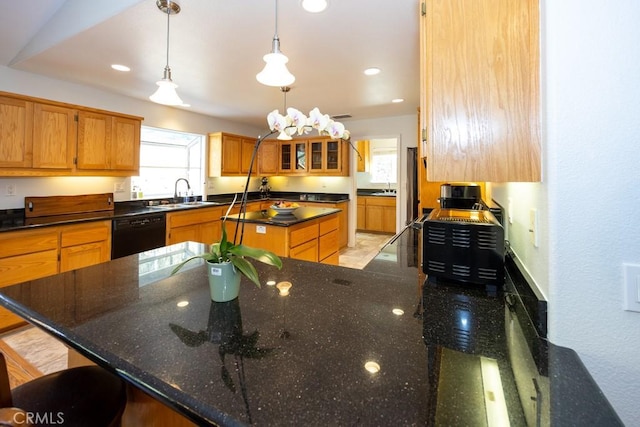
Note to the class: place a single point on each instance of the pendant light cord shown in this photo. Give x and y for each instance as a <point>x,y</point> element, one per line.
<point>168,15</point>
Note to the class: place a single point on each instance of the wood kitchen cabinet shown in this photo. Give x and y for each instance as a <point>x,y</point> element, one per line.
<point>363,160</point>
<point>108,142</point>
<point>82,245</point>
<point>343,218</point>
<point>480,90</point>
<point>314,156</point>
<point>26,255</point>
<point>230,155</point>
<point>198,225</point>
<point>293,157</point>
<point>267,161</point>
<point>377,213</point>
<point>40,137</point>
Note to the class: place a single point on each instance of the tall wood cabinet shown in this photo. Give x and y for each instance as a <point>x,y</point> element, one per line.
<point>480,89</point>
<point>40,137</point>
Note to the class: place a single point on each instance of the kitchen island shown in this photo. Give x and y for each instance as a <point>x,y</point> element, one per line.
<point>307,233</point>
<point>345,347</point>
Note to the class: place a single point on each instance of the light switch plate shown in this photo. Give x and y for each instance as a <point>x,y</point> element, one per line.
<point>631,287</point>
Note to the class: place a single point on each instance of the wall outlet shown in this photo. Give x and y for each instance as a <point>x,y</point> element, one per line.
<point>118,187</point>
<point>261,229</point>
<point>11,190</point>
<point>631,287</point>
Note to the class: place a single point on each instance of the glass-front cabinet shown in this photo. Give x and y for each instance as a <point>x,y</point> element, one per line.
<point>316,156</point>
<point>293,157</point>
<point>325,156</point>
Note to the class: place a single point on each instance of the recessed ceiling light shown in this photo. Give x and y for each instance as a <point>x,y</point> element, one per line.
<point>314,6</point>
<point>397,100</point>
<point>372,71</point>
<point>120,67</point>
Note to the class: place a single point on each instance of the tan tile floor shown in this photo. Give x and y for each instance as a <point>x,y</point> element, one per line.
<point>41,351</point>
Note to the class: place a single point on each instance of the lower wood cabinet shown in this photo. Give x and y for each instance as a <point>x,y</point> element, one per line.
<point>32,254</point>
<point>343,218</point>
<point>83,245</point>
<point>376,213</point>
<point>199,225</point>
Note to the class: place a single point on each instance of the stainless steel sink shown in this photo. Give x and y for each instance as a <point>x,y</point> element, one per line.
<point>184,205</point>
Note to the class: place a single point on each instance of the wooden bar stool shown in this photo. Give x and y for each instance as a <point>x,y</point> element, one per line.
<point>82,396</point>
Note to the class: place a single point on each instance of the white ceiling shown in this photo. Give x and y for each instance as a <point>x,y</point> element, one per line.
<point>216,49</point>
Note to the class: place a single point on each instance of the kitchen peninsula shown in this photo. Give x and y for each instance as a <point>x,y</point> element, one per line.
<point>345,347</point>
<point>307,233</point>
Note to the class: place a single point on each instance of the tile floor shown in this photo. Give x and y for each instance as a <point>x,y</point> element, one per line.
<point>36,352</point>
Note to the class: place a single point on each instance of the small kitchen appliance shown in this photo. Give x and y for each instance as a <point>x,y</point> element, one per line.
<point>460,196</point>
<point>463,245</point>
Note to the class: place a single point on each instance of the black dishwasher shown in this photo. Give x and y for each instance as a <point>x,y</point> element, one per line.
<point>137,234</point>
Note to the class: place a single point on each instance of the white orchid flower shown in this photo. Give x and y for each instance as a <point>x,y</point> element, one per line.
<point>319,121</point>
<point>277,122</point>
<point>346,135</point>
<point>298,119</point>
<point>335,129</point>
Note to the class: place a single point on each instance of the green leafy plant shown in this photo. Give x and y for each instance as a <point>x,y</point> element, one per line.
<point>227,251</point>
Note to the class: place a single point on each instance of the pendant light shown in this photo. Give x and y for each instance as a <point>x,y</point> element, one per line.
<point>166,92</point>
<point>275,72</point>
<point>284,136</point>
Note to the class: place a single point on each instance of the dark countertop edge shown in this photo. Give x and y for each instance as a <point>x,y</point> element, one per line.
<point>283,195</point>
<point>148,384</point>
<point>326,211</point>
<point>137,207</point>
<point>371,191</point>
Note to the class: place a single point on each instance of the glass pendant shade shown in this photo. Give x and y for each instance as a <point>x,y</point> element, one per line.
<point>284,136</point>
<point>166,93</point>
<point>275,72</point>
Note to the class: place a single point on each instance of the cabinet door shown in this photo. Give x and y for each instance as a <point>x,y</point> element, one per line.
<point>268,158</point>
<point>481,94</point>
<point>125,144</point>
<point>54,136</point>
<point>300,155</point>
<point>286,162</point>
<point>94,135</point>
<point>363,158</point>
<point>183,234</point>
<point>361,222</point>
<point>231,155</point>
<point>247,146</point>
<point>389,219</point>
<point>16,124</point>
<point>317,156</point>
<point>74,257</point>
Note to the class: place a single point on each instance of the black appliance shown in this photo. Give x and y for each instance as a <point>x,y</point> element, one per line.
<point>460,196</point>
<point>463,245</point>
<point>137,234</point>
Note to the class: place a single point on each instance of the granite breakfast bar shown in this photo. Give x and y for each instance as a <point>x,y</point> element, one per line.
<point>345,347</point>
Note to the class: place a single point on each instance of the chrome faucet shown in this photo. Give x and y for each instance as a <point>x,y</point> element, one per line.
<point>175,187</point>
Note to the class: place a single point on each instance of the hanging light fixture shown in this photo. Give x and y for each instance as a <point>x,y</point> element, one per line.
<point>166,92</point>
<point>275,71</point>
<point>284,136</point>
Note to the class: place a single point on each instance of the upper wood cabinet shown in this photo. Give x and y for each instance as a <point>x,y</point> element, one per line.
<point>363,158</point>
<point>268,157</point>
<point>230,155</point>
<point>46,138</point>
<point>107,142</point>
<point>16,136</point>
<point>326,156</point>
<point>480,89</point>
<point>293,157</point>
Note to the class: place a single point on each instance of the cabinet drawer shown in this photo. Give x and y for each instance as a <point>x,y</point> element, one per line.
<point>27,242</point>
<point>381,201</point>
<point>21,268</point>
<point>303,234</point>
<point>180,219</point>
<point>85,233</point>
<point>306,251</point>
<point>333,259</point>
<point>328,244</point>
<point>84,255</point>
<point>328,224</point>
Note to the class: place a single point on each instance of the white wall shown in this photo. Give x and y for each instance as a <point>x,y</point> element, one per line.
<point>590,196</point>
<point>154,115</point>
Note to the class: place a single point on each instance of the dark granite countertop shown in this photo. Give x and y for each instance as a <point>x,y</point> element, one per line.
<point>14,219</point>
<point>445,352</point>
<point>271,217</point>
